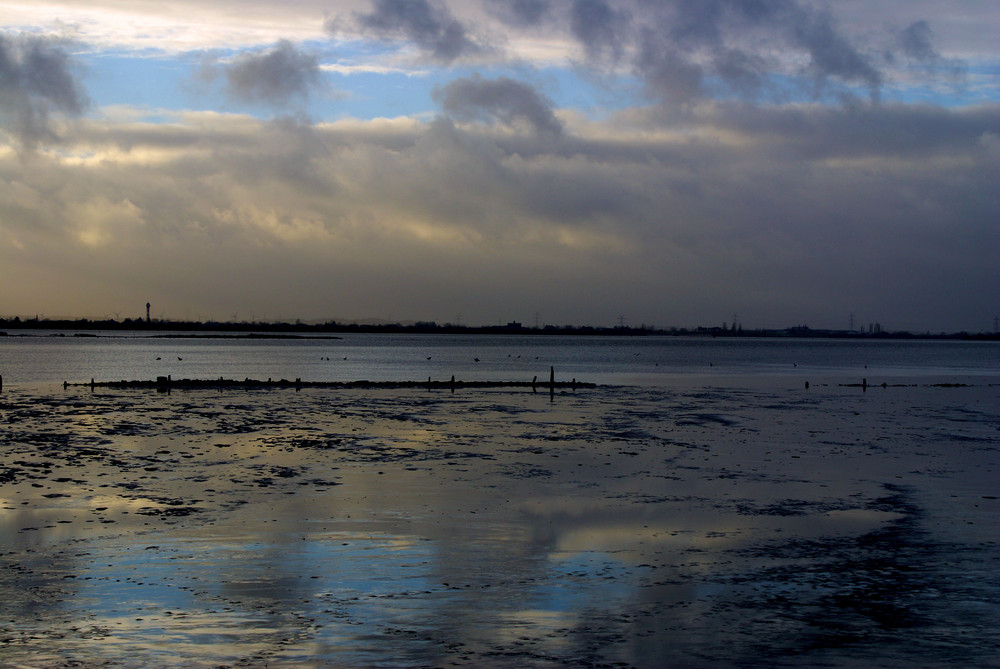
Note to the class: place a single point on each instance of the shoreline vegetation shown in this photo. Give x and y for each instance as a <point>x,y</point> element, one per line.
<point>159,328</point>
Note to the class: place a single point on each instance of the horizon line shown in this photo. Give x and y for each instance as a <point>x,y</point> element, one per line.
<point>875,330</point>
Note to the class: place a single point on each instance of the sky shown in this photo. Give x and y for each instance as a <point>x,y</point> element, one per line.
<point>649,162</point>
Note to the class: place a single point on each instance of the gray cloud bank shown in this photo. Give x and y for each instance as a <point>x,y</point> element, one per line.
<point>739,188</point>
<point>782,215</point>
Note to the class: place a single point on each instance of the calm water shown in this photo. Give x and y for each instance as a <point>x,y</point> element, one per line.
<point>648,361</point>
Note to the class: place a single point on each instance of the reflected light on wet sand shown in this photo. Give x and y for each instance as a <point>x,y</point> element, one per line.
<point>701,527</point>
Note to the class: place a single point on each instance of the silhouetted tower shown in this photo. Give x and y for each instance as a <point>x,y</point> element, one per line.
<point>147,312</point>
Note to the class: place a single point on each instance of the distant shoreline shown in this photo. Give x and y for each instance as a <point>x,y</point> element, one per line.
<point>242,330</point>
<point>173,335</point>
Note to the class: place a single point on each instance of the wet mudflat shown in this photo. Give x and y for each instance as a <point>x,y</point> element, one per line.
<point>642,527</point>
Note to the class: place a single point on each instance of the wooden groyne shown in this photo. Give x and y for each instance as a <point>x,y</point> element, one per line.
<point>166,383</point>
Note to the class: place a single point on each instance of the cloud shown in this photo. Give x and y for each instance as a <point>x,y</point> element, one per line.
<point>756,50</point>
<point>503,99</point>
<point>916,41</point>
<point>725,173</point>
<point>669,76</point>
<point>783,214</point>
<point>831,53</point>
<point>36,82</point>
<point>431,27</point>
<point>687,50</point>
<point>274,76</point>
<point>601,29</point>
<point>682,50</point>
<point>745,74</point>
<point>520,13</point>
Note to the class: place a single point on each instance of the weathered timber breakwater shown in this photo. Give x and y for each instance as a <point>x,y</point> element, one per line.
<point>165,383</point>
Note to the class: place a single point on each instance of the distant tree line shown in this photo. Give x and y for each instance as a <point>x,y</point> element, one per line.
<point>86,326</point>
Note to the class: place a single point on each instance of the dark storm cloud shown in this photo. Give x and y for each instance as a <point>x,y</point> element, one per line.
<point>36,80</point>
<point>431,27</point>
<point>503,99</point>
<point>274,76</point>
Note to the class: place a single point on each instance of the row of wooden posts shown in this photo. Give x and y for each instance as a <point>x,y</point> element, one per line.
<point>166,383</point>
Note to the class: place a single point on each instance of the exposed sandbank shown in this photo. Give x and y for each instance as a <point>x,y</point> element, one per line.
<point>699,526</point>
